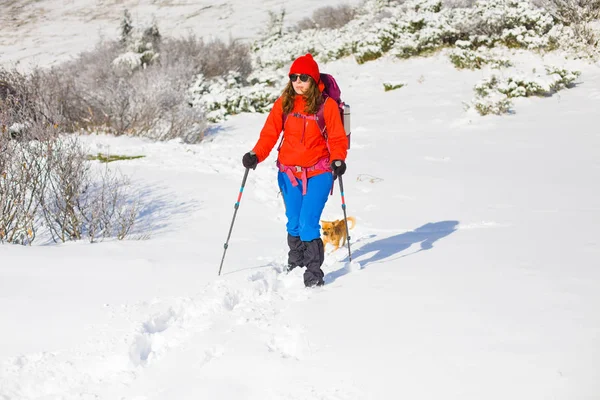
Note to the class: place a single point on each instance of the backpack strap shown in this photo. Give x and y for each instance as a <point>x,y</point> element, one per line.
<point>321,116</point>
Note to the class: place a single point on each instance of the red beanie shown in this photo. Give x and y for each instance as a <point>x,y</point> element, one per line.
<point>306,65</point>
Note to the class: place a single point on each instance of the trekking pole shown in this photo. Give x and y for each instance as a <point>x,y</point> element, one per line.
<point>236,206</point>
<point>345,217</point>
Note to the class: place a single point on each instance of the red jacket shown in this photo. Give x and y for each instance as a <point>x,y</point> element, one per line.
<point>303,144</point>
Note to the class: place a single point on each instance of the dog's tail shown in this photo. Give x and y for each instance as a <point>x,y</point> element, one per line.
<point>353,220</point>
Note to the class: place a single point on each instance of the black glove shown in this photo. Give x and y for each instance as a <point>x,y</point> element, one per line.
<point>250,160</point>
<point>338,167</point>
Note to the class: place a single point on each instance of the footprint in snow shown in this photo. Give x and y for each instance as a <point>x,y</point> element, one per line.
<point>290,342</point>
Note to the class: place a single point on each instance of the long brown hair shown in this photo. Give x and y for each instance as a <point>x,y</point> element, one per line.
<point>313,96</point>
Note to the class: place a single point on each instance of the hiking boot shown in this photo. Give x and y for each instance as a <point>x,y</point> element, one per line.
<point>313,284</point>
<point>296,253</point>
<point>314,255</point>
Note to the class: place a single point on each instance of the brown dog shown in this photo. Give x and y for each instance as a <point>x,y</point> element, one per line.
<point>334,232</point>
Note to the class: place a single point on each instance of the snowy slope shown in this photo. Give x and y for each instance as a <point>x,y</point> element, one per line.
<point>50,31</point>
<point>476,236</point>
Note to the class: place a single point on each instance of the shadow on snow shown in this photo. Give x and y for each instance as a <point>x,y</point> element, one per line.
<point>387,247</point>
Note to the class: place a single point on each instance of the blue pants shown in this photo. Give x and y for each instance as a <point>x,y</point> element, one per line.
<point>304,212</point>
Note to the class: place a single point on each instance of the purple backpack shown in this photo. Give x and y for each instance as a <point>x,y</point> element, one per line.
<point>333,91</point>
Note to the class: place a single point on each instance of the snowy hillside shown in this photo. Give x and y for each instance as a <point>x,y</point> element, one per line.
<point>476,239</point>
<point>51,31</point>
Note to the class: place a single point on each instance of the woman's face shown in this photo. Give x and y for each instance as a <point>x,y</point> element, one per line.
<point>300,82</point>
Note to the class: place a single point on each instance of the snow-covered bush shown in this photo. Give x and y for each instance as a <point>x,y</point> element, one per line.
<point>573,12</point>
<point>274,25</point>
<point>94,92</point>
<point>493,94</point>
<point>94,95</point>
<point>118,88</point>
<point>514,23</point>
<point>458,3</point>
<point>141,46</point>
<point>224,96</point>
<point>48,188</point>
<point>425,26</point>
<point>417,27</point>
<point>24,103</point>
<point>399,28</point>
<point>560,78</point>
<point>496,104</point>
<point>578,16</point>
<point>279,50</point>
<point>542,85</point>
<point>212,58</point>
<point>19,178</point>
<point>476,59</point>
<point>327,17</point>
<point>147,84</point>
<point>76,203</point>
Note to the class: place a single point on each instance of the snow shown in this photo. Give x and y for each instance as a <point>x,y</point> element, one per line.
<point>51,31</point>
<point>475,254</point>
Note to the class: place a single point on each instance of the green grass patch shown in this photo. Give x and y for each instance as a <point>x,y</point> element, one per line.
<point>392,86</point>
<point>106,158</point>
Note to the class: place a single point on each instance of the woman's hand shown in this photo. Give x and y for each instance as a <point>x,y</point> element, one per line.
<point>338,167</point>
<point>250,160</point>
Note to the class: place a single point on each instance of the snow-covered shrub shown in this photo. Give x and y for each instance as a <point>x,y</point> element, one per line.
<point>417,27</point>
<point>514,23</point>
<point>421,29</point>
<point>146,84</point>
<point>475,59</point>
<point>561,78</point>
<point>224,96</point>
<point>333,17</point>
<point>20,177</point>
<point>458,3</point>
<point>24,103</point>
<point>128,61</point>
<point>213,58</point>
<point>141,45</point>
<point>274,25</point>
<point>117,89</point>
<point>47,188</point>
<point>41,173</point>
<point>279,50</point>
<point>544,85</point>
<point>521,87</point>
<point>434,6</point>
<point>573,12</point>
<point>493,94</point>
<point>496,104</point>
<point>95,95</point>
<point>153,101</point>
<point>582,16</point>
<point>217,58</point>
<point>327,17</point>
<point>77,203</point>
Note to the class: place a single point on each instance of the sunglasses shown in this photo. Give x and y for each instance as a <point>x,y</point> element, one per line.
<point>303,77</point>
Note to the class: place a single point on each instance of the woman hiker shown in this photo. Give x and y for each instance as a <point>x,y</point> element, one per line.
<point>307,161</point>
